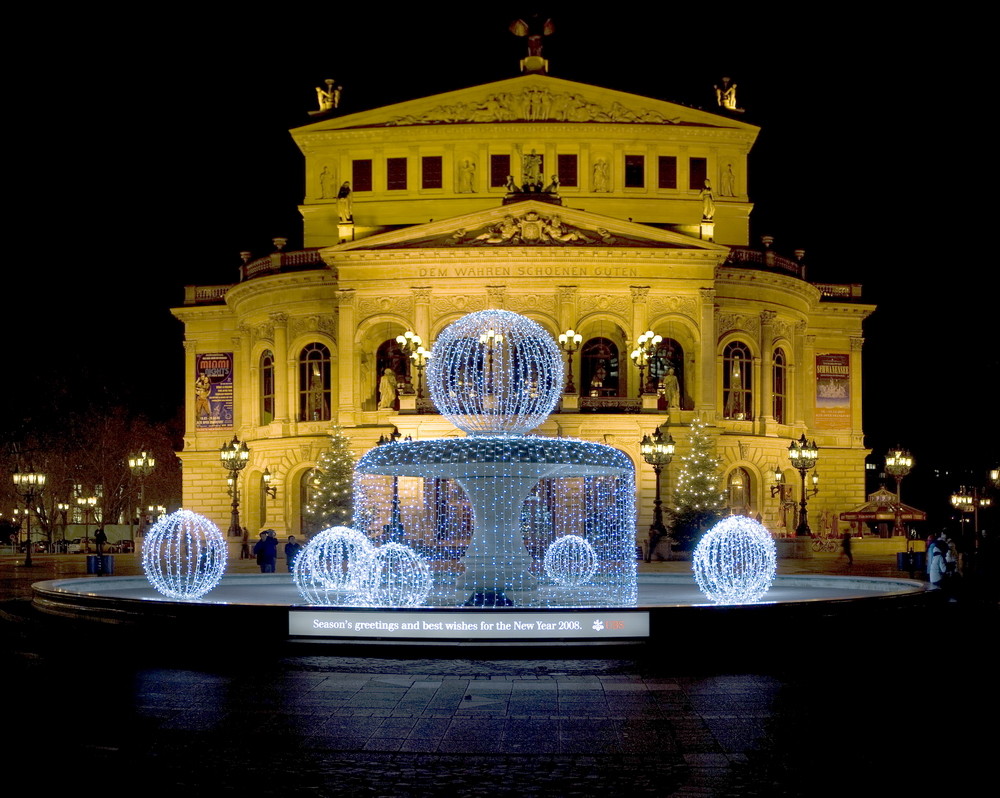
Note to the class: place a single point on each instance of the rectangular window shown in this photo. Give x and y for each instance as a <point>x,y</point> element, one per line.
<point>667,171</point>
<point>361,175</point>
<point>432,171</point>
<point>635,171</point>
<point>566,166</point>
<point>499,169</point>
<point>395,174</point>
<point>697,173</point>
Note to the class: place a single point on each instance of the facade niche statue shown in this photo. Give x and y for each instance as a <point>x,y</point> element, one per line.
<point>602,176</point>
<point>467,177</point>
<point>707,202</point>
<point>387,390</point>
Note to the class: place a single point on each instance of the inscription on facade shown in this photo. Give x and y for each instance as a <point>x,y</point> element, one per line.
<point>547,270</point>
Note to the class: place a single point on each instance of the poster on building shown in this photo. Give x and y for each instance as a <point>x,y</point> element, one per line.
<point>213,390</point>
<point>833,390</point>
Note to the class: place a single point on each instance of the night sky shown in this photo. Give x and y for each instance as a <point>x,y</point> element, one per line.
<point>146,160</point>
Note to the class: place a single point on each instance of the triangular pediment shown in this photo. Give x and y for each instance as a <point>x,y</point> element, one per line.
<point>529,98</point>
<point>531,223</point>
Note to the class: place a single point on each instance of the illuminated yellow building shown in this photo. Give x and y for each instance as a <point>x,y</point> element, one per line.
<point>580,207</point>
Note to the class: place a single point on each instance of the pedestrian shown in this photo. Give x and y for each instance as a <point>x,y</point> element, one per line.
<point>266,551</point>
<point>292,550</point>
<point>936,565</point>
<point>99,540</point>
<point>245,548</point>
<point>845,544</point>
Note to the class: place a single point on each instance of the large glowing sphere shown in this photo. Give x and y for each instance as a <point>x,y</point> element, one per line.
<point>495,372</point>
<point>735,562</point>
<point>398,577</point>
<point>184,555</point>
<point>333,566</point>
<point>570,561</point>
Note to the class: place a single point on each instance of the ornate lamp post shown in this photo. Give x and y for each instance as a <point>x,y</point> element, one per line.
<point>969,500</point>
<point>87,504</point>
<point>63,508</point>
<point>803,456</point>
<point>141,465</point>
<point>29,486</point>
<point>657,451</point>
<point>898,463</point>
<point>570,342</point>
<point>409,342</point>
<point>783,491</point>
<point>234,456</point>
<point>644,350</point>
<point>995,477</point>
<point>270,490</point>
<point>420,356</point>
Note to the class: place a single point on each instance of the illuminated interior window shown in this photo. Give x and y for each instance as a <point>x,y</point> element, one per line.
<point>266,387</point>
<point>736,382</point>
<point>739,491</point>
<point>599,366</point>
<point>314,383</point>
<point>307,494</point>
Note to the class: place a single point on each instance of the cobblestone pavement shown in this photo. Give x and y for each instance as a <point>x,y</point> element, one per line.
<point>857,715</point>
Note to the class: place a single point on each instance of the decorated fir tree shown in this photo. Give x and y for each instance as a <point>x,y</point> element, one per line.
<point>698,497</point>
<point>331,496</point>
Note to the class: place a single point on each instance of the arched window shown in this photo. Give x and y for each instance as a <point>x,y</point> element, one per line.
<point>599,369</point>
<point>266,387</point>
<point>739,492</point>
<point>307,493</point>
<point>314,383</point>
<point>779,386</point>
<point>390,355</point>
<point>737,380</point>
<point>666,372</point>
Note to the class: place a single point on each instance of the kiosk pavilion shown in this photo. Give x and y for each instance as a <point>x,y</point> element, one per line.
<point>577,206</point>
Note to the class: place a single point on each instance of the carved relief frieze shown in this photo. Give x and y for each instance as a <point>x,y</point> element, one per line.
<point>372,306</point>
<point>528,302</point>
<point>443,305</point>
<point>534,104</point>
<point>614,303</point>
<point>315,322</point>
<point>782,329</point>
<point>742,322</point>
<point>684,305</point>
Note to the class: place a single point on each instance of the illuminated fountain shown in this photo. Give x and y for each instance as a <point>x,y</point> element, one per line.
<point>496,376</point>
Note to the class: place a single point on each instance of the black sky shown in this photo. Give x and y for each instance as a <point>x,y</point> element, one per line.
<point>147,157</point>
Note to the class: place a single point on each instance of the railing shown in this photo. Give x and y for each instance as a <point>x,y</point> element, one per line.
<point>838,291</point>
<point>609,404</point>
<point>205,294</point>
<point>280,262</point>
<point>768,259</point>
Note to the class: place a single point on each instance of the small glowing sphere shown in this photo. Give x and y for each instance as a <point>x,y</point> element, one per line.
<point>495,372</point>
<point>735,562</point>
<point>570,561</point>
<point>184,555</point>
<point>398,577</point>
<point>333,566</point>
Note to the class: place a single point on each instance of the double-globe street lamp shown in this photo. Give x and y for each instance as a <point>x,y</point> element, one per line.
<point>645,350</point>
<point>657,451</point>
<point>234,455</point>
<point>141,465</point>
<point>803,455</point>
<point>29,486</point>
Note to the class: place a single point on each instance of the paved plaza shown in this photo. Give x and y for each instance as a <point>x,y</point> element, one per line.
<point>897,707</point>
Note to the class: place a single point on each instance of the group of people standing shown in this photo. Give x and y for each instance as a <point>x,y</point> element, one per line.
<point>944,562</point>
<point>266,551</point>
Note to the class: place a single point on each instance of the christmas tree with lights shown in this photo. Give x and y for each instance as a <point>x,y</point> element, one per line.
<point>698,497</point>
<point>331,489</point>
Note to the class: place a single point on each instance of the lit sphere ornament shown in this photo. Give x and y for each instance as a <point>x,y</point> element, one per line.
<point>735,562</point>
<point>570,561</point>
<point>495,372</point>
<point>398,577</point>
<point>184,555</point>
<point>333,565</point>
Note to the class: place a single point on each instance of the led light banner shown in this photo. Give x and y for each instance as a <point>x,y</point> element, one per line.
<point>213,390</point>
<point>833,390</point>
<point>494,625</point>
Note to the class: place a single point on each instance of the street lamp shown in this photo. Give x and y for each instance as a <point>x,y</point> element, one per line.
<point>645,347</point>
<point>803,456</point>
<point>898,463</point>
<point>570,342</point>
<point>141,465</point>
<point>969,500</point>
<point>420,356</point>
<point>29,486</point>
<point>234,456</point>
<point>268,489</point>
<point>409,342</point>
<point>87,504</point>
<point>657,451</point>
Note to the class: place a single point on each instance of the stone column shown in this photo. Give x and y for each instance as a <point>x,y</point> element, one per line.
<point>567,301</point>
<point>706,403</point>
<point>766,343</point>
<point>348,397</point>
<point>797,374</point>
<point>422,314</point>
<point>284,376</point>
<point>857,430</point>
<point>190,348</point>
<point>242,384</point>
<point>809,375</point>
